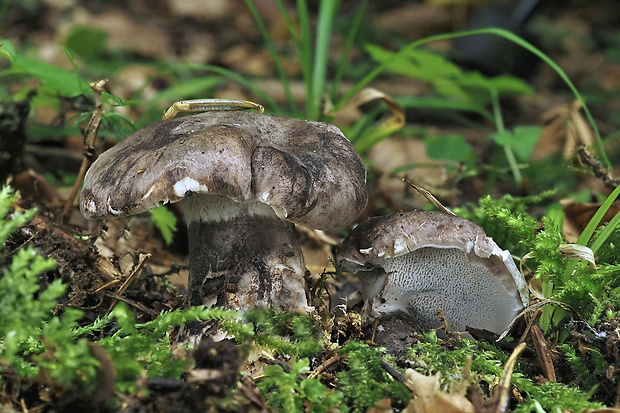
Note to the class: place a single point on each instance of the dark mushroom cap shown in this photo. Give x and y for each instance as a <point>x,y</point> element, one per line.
<point>473,263</point>
<point>308,172</point>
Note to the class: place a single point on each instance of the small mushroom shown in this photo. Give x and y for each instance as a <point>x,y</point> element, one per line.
<point>243,179</point>
<point>411,264</point>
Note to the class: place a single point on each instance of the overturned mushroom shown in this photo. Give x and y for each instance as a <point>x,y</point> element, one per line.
<point>243,179</point>
<point>411,264</point>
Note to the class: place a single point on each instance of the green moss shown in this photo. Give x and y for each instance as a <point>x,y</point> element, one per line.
<point>290,392</point>
<point>365,382</point>
<point>487,365</point>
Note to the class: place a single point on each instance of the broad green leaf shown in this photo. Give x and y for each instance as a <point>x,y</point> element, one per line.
<point>506,84</point>
<point>526,139</point>
<point>503,85</point>
<point>7,49</point>
<point>522,140</point>
<point>86,42</point>
<point>450,148</point>
<point>65,82</point>
<point>418,64</point>
<point>502,138</point>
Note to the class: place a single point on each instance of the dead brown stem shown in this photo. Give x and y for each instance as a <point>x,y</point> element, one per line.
<point>90,138</point>
<point>130,279</point>
<point>501,399</point>
<point>325,365</point>
<point>542,350</point>
<point>597,168</point>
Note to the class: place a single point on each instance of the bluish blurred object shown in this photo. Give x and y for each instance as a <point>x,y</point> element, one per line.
<point>493,55</point>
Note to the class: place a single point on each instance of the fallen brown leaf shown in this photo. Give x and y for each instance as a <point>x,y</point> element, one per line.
<point>431,399</point>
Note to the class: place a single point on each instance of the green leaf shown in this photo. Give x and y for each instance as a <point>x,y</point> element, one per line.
<point>65,82</point>
<point>446,77</point>
<point>189,88</point>
<point>449,147</point>
<point>418,64</point>
<point>503,85</point>
<point>7,49</point>
<point>165,221</point>
<point>86,42</point>
<point>522,140</point>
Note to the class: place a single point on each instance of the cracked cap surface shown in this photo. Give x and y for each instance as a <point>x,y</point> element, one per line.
<point>308,172</point>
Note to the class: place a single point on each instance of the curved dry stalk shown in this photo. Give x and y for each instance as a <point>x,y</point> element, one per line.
<point>90,138</point>
<point>503,393</point>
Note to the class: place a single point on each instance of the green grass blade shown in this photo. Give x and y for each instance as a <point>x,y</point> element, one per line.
<point>327,11</point>
<point>494,31</point>
<point>304,50</point>
<point>342,63</point>
<point>267,100</point>
<point>605,233</point>
<point>301,39</point>
<point>587,233</point>
<point>445,104</point>
<point>594,222</point>
<point>499,126</point>
<point>274,55</point>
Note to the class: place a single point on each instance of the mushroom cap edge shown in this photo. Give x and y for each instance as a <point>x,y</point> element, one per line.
<point>247,157</point>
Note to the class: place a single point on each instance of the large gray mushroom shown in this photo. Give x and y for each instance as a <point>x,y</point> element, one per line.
<point>411,264</point>
<point>243,179</point>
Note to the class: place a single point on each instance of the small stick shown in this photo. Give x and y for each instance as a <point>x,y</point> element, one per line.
<point>197,105</point>
<point>466,372</point>
<point>393,372</point>
<point>130,279</point>
<point>135,304</point>
<point>430,197</point>
<point>597,168</point>
<point>90,138</point>
<point>504,383</point>
<point>106,286</point>
<point>325,365</point>
<point>544,355</point>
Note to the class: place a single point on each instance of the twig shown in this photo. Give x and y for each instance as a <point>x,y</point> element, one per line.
<point>106,286</point>
<point>393,372</point>
<point>129,279</point>
<point>504,383</point>
<point>174,269</point>
<point>597,168</point>
<point>544,355</point>
<point>253,396</point>
<point>133,303</point>
<point>90,138</point>
<point>466,372</point>
<point>325,365</point>
<point>430,197</point>
<point>532,308</point>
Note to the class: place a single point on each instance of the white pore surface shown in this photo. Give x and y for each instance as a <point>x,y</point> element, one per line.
<point>427,279</point>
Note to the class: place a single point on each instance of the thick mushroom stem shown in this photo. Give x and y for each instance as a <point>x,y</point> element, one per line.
<point>242,256</point>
